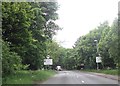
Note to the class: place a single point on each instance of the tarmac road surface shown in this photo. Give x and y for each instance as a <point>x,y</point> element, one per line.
<point>75,77</point>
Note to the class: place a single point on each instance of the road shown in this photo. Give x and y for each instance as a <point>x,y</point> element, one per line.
<point>75,77</point>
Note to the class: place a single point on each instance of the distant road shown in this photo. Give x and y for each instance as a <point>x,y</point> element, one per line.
<point>75,77</point>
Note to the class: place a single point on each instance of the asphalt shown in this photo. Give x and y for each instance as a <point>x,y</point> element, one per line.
<point>77,77</point>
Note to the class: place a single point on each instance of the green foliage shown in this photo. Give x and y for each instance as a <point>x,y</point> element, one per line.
<point>86,49</point>
<point>28,77</point>
<point>56,52</point>
<point>26,27</point>
<point>16,20</point>
<point>111,72</point>
<point>27,32</point>
<point>108,46</point>
<point>69,60</point>
<point>10,60</point>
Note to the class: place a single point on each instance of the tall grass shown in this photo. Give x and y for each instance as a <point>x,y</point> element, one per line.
<point>28,77</point>
<point>111,72</point>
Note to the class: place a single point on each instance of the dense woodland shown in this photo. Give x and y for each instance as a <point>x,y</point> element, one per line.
<point>27,30</point>
<point>86,49</point>
<point>27,38</point>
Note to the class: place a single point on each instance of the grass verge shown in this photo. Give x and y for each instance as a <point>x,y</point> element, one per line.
<point>111,72</point>
<point>28,77</point>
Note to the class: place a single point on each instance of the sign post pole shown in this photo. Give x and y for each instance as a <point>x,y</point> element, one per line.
<point>97,66</point>
<point>48,63</point>
<point>98,60</point>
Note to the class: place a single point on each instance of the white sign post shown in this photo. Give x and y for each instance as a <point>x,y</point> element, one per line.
<point>98,60</point>
<point>48,62</point>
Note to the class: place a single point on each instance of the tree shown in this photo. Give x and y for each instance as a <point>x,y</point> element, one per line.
<point>16,19</point>
<point>26,28</point>
<point>56,52</point>
<point>86,49</point>
<point>11,61</point>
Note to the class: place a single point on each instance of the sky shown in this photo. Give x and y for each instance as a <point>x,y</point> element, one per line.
<point>78,17</point>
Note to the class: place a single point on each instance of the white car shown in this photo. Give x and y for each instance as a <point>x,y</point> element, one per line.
<point>58,68</point>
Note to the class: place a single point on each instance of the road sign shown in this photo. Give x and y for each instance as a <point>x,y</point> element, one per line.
<point>98,60</point>
<point>48,62</point>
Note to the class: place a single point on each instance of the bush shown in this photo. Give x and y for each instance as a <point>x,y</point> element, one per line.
<point>10,60</point>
